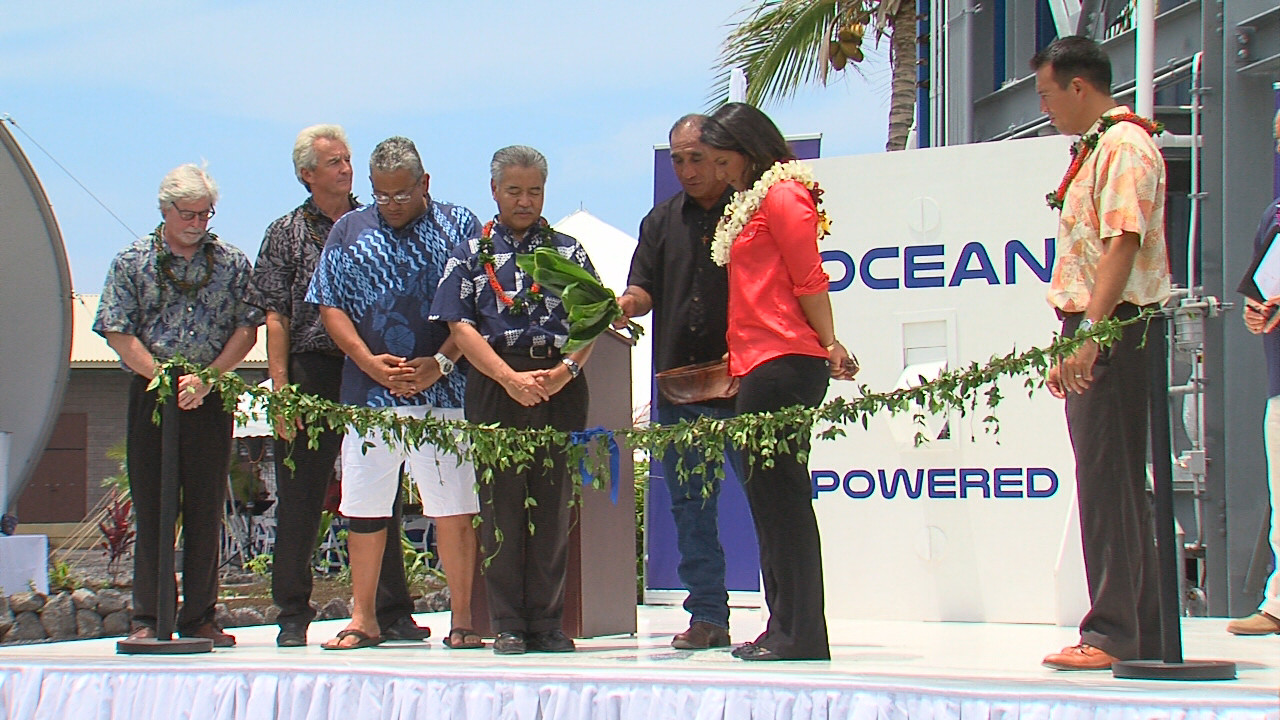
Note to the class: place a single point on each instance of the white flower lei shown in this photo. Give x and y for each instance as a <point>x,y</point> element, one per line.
<point>746,203</point>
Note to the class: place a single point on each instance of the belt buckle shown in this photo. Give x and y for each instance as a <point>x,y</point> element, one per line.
<point>540,352</point>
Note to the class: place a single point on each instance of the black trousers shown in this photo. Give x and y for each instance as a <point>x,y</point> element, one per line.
<point>525,579</point>
<point>782,509</point>
<point>300,495</point>
<point>1108,428</point>
<point>204,449</point>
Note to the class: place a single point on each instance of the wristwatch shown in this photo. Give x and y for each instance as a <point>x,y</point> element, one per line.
<point>1085,326</point>
<point>574,368</point>
<point>446,365</point>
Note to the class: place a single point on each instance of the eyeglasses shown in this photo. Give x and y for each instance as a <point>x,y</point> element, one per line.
<point>384,199</point>
<point>189,215</point>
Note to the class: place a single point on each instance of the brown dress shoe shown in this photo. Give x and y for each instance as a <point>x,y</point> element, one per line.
<point>1079,657</point>
<point>210,631</point>
<point>700,636</point>
<point>1259,623</point>
<point>143,632</point>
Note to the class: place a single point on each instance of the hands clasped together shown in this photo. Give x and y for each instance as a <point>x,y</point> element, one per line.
<point>191,392</point>
<point>404,377</point>
<point>1261,318</point>
<point>534,386</point>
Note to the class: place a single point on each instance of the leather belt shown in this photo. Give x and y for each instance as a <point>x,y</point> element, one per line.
<point>537,352</point>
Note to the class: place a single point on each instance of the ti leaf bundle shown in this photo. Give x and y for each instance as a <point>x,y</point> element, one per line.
<point>592,307</point>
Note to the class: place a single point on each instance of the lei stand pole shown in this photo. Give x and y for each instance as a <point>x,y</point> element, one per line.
<point>1172,666</point>
<point>166,591</point>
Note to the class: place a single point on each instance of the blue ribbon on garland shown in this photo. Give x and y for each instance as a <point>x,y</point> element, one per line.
<point>583,437</point>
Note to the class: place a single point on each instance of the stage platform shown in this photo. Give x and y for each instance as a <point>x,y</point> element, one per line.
<point>880,670</point>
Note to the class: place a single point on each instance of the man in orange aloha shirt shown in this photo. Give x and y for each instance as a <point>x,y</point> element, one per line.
<point>1111,262</point>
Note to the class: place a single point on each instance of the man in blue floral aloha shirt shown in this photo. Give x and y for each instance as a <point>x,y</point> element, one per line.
<point>374,284</point>
<point>512,334</point>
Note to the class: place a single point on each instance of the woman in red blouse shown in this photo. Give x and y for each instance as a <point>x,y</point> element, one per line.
<point>782,344</point>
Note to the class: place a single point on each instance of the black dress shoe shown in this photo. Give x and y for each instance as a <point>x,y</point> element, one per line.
<point>752,651</point>
<point>552,641</point>
<point>509,643</point>
<point>406,630</point>
<point>292,635</point>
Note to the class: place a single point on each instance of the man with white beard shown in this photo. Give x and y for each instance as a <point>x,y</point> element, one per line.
<point>179,291</point>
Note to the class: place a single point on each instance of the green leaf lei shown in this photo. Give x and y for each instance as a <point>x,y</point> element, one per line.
<point>762,435</point>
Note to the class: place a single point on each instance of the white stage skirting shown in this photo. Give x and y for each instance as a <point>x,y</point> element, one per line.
<point>880,670</point>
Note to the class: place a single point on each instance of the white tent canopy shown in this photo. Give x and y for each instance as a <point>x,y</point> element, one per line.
<point>610,250</point>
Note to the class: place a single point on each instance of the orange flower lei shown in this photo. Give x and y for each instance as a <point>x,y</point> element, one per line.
<point>1081,150</point>
<point>517,304</point>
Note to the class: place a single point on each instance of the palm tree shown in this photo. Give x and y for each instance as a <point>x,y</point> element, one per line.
<point>783,44</point>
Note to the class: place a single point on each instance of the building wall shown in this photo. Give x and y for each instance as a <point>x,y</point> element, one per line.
<point>104,396</point>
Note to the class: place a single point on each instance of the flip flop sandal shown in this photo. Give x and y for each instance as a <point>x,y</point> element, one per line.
<point>467,639</point>
<point>363,640</point>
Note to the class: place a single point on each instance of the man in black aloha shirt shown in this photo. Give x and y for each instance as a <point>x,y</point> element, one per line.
<point>673,274</point>
<point>519,378</point>
<point>300,351</point>
<point>179,291</point>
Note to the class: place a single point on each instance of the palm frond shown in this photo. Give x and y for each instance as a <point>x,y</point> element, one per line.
<point>780,44</point>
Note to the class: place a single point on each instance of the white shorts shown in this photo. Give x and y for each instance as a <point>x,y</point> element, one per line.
<point>371,475</point>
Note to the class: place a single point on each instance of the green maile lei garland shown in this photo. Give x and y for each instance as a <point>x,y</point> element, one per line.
<point>762,435</point>
<point>164,263</point>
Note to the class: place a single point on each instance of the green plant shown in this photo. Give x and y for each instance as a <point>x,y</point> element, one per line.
<point>260,564</point>
<point>62,577</point>
<point>417,564</point>
<point>119,481</point>
<point>641,468</point>
<point>344,575</point>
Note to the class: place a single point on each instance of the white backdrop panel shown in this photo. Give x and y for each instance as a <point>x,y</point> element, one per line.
<point>939,258</point>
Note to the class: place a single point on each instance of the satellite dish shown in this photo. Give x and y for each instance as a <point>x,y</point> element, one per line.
<point>35,318</point>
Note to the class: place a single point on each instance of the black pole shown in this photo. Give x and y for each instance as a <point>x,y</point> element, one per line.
<point>1172,666</point>
<point>1162,484</point>
<point>166,588</point>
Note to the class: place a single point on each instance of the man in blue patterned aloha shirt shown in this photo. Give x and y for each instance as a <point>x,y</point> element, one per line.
<point>300,351</point>
<point>512,335</point>
<point>179,291</point>
<point>374,284</point>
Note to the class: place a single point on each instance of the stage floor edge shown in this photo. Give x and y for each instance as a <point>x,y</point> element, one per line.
<point>879,669</point>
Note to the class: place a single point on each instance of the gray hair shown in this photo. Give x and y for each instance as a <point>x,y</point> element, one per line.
<point>396,153</point>
<point>187,182</point>
<point>693,120</point>
<point>517,156</point>
<point>304,148</point>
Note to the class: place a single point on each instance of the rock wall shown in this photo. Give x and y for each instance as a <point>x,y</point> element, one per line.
<point>83,614</point>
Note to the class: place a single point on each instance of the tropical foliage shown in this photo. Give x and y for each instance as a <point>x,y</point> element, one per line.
<point>785,44</point>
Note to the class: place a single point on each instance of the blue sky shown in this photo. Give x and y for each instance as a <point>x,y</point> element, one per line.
<point>121,93</point>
